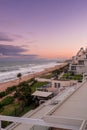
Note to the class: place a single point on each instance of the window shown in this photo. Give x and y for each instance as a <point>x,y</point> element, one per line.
<point>57,85</point>
<point>81,62</point>
<point>73,67</point>
<point>86,56</point>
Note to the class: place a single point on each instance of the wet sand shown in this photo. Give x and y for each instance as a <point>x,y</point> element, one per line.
<point>5,85</point>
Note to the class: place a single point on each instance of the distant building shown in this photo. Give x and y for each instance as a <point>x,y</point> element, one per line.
<point>79,62</point>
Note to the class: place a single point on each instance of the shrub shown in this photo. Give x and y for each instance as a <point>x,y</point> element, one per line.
<point>7,100</point>
<point>5,123</point>
<point>10,89</point>
<point>0,107</point>
<point>2,94</point>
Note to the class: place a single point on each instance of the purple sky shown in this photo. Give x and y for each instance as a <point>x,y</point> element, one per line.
<point>44,28</point>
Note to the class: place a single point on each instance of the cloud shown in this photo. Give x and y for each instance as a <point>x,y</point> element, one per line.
<point>4,36</point>
<point>10,50</point>
<point>30,56</point>
<point>15,52</point>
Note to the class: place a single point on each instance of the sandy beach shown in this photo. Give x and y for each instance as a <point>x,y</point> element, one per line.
<point>4,85</point>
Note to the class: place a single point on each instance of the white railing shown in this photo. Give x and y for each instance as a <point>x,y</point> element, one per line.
<point>74,124</point>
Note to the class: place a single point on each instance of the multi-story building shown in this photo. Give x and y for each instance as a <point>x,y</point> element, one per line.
<point>79,62</point>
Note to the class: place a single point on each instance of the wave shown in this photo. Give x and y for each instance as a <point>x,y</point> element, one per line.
<point>10,72</point>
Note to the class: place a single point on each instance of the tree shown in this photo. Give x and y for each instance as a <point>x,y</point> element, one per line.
<point>19,75</point>
<point>23,93</point>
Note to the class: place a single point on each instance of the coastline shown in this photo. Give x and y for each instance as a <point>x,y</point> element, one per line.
<point>5,85</point>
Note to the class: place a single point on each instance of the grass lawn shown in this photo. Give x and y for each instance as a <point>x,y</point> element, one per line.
<point>8,110</point>
<point>16,108</point>
<point>73,77</point>
<point>27,109</point>
<point>38,84</point>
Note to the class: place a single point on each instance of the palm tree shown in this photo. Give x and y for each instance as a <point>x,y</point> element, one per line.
<point>19,75</point>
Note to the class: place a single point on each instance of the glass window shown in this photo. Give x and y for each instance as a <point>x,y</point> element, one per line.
<point>86,56</point>
<point>73,67</point>
<point>81,62</point>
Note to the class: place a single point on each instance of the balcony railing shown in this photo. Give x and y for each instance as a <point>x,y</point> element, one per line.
<point>45,124</point>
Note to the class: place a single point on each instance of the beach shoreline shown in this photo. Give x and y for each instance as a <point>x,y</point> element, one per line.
<point>5,85</point>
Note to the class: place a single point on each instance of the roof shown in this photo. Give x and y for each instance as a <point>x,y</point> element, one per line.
<point>52,89</point>
<point>75,106</point>
<point>42,94</point>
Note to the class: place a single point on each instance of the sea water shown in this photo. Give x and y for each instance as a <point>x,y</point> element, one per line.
<point>10,69</point>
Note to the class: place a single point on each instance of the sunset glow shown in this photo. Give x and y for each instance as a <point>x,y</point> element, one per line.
<point>44,28</point>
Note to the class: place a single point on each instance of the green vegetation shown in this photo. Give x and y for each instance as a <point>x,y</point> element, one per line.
<point>6,101</point>
<point>72,76</point>
<point>10,109</point>
<point>47,76</point>
<point>38,84</point>
<point>15,109</point>
<point>7,91</point>
<point>10,89</point>
<point>54,74</point>
<point>19,75</point>
<point>17,100</point>
<point>2,94</point>
<point>20,101</point>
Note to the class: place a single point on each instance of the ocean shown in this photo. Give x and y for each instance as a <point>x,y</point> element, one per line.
<point>10,69</point>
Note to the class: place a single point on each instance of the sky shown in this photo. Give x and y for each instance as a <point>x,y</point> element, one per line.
<point>42,28</point>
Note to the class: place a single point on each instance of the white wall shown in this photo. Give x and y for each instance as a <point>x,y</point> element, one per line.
<point>65,83</point>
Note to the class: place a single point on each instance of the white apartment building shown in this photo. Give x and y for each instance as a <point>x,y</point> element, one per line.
<point>79,62</point>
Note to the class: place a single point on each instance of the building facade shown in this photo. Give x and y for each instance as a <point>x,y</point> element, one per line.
<point>79,62</point>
